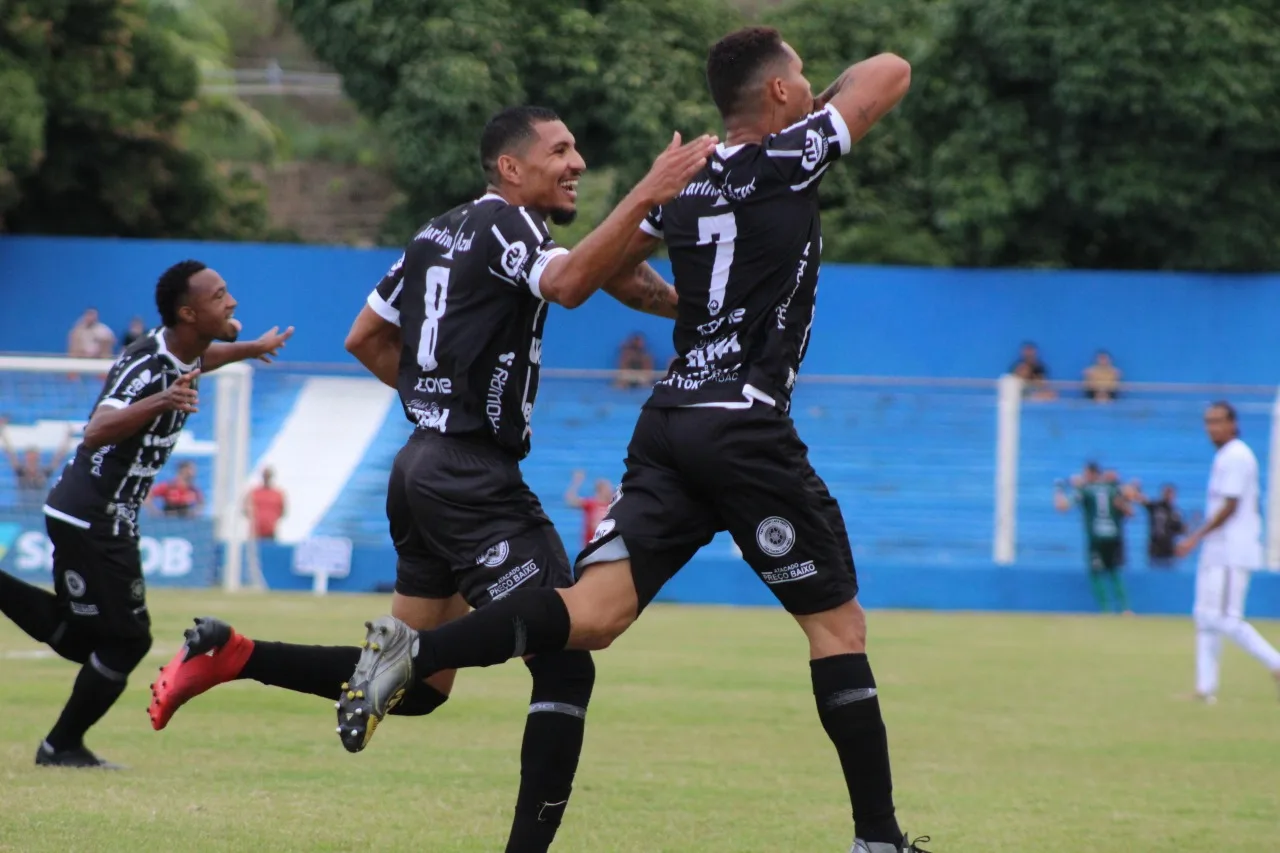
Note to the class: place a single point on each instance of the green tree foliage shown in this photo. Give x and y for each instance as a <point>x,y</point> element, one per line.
<point>93,96</point>
<point>623,74</point>
<point>1061,133</point>
<point>1056,133</point>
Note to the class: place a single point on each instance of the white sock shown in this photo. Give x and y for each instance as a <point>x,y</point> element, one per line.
<point>1247,637</point>
<point>1208,650</point>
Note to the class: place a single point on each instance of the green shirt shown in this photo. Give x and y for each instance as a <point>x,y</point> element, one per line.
<point>1100,504</point>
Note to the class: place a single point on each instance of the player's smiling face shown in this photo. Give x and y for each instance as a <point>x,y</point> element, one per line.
<point>550,168</point>
<point>210,307</point>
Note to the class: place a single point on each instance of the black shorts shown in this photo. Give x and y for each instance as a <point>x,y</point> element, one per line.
<point>693,472</point>
<point>1105,555</point>
<point>463,520</point>
<point>98,581</point>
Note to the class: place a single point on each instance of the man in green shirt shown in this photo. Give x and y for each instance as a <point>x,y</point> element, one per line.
<point>1104,509</point>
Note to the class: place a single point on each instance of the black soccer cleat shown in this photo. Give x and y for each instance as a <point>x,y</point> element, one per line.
<point>77,757</point>
<point>383,674</point>
<point>208,634</point>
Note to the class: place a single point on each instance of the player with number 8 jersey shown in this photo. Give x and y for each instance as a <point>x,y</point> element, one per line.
<point>465,296</point>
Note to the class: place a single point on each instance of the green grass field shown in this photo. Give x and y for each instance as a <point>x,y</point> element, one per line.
<point>1009,733</point>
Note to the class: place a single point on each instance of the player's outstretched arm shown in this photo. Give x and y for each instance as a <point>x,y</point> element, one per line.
<point>265,348</point>
<point>866,91</point>
<point>638,285</point>
<point>376,344</point>
<point>113,422</point>
<point>570,278</point>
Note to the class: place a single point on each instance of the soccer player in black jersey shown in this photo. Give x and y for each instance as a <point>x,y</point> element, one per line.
<point>456,328</point>
<point>97,615</point>
<point>714,447</point>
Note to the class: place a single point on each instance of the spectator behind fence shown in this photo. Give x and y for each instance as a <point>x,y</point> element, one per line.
<point>593,508</point>
<point>137,328</point>
<point>635,363</point>
<point>90,337</point>
<point>265,507</point>
<point>33,476</point>
<point>1102,378</point>
<point>179,497</point>
<point>1164,523</point>
<point>1034,375</point>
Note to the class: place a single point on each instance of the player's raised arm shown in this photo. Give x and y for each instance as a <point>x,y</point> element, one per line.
<point>568,279</point>
<point>264,348</point>
<point>866,91</point>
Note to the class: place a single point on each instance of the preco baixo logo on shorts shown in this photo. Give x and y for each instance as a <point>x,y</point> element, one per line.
<point>495,556</point>
<point>775,536</point>
<point>787,574</point>
<point>512,579</point>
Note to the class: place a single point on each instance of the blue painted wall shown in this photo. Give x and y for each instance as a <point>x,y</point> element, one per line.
<point>873,320</point>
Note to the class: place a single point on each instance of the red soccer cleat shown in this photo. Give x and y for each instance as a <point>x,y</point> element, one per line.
<point>214,653</point>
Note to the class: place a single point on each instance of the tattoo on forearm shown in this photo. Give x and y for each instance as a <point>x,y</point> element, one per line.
<point>654,295</point>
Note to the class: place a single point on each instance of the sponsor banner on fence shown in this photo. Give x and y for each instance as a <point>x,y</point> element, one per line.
<point>175,551</point>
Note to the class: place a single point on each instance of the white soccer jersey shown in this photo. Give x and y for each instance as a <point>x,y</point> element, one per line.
<point>1238,542</point>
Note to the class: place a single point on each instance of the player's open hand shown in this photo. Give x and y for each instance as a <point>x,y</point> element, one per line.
<point>676,166</point>
<point>271,342</point>
<point>181,396</point>
<point>1186,546</point>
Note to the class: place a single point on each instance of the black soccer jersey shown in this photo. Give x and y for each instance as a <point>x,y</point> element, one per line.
<point>102,489</point>
<point>745,244</point>
<point>465,295</point>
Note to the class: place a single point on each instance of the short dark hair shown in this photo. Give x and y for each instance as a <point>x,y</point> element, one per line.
<point>1227,409</point>
<point>734,63</point>
<point>1093,468</point>
<point>172,289</point>
<point>507,130</point>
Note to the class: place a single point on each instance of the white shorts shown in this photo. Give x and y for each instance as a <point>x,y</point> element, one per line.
<point>1221,591</point>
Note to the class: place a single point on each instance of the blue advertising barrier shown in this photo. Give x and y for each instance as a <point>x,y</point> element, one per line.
<point>714,579</point>
<point>175,552</point>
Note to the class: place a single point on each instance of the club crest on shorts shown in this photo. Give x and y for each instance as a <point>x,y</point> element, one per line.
<point>75,583</point>
<point>495,556</point>
<point>775,536</point>
<point>138,589</point>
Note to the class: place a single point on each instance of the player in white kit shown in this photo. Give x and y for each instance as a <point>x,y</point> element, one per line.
<point>1230,548</point>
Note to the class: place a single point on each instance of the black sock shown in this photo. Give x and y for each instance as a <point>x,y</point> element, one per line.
<point>96,689</point>
<point>528,622</point>
<point>321,671</point>
<point>419,700</point>
<point>553,735</point>
<point>850,713</point>
<point>318,670</point>
<point>31,608</point>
